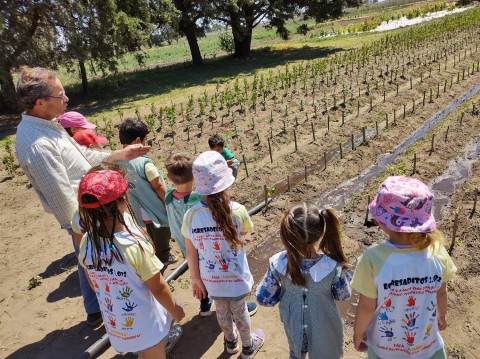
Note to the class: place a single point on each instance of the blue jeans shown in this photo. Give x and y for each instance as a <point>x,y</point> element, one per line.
<point>90,301</point>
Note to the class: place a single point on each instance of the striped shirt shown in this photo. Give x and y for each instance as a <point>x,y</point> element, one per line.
<point>54,164</point>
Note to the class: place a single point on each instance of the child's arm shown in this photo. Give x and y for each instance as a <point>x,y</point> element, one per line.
<point>268,292</point>
<point>442,307</point>
<point>159,187</point>
<point>365,310</point>
<point>161,291</point>
<point>198,287</point>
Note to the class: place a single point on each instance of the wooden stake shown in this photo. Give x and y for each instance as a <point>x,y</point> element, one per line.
<point>343,118</point>
<point>364,136</point>
<point>455,225</point>
<point>414,164</point>
<point>353,143</point>
<point>328,123</point>
<point>376,127</point>
<point>341,150</point>
<point>386,121</point>
<point>288,183</point>
<point>265,195</point>
<point>446,133</point>
<point>245,162</point>
<point>313,131</point>
<point>474,203</point>
<point>306,174</point>
<point>270,151</point>
<point>325,160</point>
<point>295,139</point>
<point>367,211</point>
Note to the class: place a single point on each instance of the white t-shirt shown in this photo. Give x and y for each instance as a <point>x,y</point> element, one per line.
<point>223,270</point>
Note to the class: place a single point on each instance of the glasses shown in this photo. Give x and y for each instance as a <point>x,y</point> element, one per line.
<point>60,96</point>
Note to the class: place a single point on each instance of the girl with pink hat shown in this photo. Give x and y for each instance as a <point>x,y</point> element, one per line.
<point>403,282</point>
<point>213,231</point>
<point>81,130</point>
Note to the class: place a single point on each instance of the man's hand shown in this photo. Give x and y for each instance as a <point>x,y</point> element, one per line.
<point>129,153</point>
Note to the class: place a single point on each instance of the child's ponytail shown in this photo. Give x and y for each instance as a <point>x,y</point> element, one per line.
<point>425,240</point>
<point>331,243</point>
<point>303,226</point>
<point>219,205</point>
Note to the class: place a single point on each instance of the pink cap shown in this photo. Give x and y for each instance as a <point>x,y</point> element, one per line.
<point>404,204</point>
<point>74,119</point>
<point>88,138</point>
<point>212,174</point>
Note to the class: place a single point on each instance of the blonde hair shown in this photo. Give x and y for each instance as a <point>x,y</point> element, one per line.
<point>425,240</point>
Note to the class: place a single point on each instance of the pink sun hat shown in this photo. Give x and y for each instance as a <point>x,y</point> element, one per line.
<point>72,119</point>
<point>404,204</point>
<point>211,173</point>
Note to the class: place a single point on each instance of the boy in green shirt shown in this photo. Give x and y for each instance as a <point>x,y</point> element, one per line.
<point>217,144</point>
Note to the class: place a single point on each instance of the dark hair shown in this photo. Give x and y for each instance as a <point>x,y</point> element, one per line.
<point>215,141</point>
<point>179,168</point>
<point>130,129</point>
<point>219,205</point>
<point>92,220</point>
<point>34,83</point>
<point>301,228</point>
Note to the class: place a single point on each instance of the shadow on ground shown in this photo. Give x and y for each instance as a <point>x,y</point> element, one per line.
<point>115,90</point>
<point>69,288</point>
<point>61,344</point>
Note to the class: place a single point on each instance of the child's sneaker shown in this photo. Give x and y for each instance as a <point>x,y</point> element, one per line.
<point>258,338</point>
<point>205,307</point>
<point>174,335</point>
<point>232,346</point>
<point>252,308</point>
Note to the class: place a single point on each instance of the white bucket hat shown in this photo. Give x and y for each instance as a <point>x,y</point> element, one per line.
<point>211,173</point>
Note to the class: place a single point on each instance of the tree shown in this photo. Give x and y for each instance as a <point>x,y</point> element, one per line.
<point>45,32</point>
<point>244,15</point>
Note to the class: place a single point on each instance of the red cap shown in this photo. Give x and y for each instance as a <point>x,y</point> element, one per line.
<point>88,138</point>
<point>105,185</point>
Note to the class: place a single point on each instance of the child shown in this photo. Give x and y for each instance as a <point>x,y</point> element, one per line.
<point>306,279</point>
<point>136,303</point>
<point>403,281</point>
<point>80,129</point>
<point>213,230</point>
<point>217,144</point>
<point>148,196</point>
<point>177,202</point>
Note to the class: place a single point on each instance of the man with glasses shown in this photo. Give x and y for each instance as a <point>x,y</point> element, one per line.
<point>53,161</point>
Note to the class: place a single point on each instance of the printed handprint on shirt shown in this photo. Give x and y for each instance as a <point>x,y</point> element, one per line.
<point>128,322</point>
<point>95,284</point>
<point>223,263</point>
<point>108,304</point>
<point>411,301</point>
<point>125,292</point>
<point>216,246</point>
<point>429,328</point>
<point>107,288</point>
<point>111,321</point>
<point>210,265</point>
<point>202,246</point>
<point>129,306</point>
<point>382,316</point>
<point>411,319</point>
<point>387,303</point>
<point>410,338</point>
<point>433,308</point>
<point>388,333</point>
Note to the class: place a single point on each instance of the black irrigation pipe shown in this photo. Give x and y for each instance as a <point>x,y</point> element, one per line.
<point>101,343</point>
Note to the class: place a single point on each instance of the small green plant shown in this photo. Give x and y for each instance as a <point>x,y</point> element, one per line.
<point>270,190</point>
<point>34,282</point>
<point>8,159</point>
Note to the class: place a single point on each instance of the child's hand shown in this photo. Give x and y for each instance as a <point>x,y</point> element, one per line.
<point>442,322</point>
<point>198,289</point>
<point>178,314</point>
<point>359,344</point>
<point>230,163</point>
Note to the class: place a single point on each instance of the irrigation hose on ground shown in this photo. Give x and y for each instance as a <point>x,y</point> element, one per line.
<point>101,343</point>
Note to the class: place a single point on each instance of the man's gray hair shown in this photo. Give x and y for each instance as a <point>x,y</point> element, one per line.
<point>34,83</point>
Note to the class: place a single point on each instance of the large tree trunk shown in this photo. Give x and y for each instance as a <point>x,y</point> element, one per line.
<point>83,74</point>
<point>8,99</point>
<point>243,45</point>
<point>188,28</point>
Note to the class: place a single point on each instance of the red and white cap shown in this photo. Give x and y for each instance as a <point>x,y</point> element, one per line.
<point>105,185</point>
